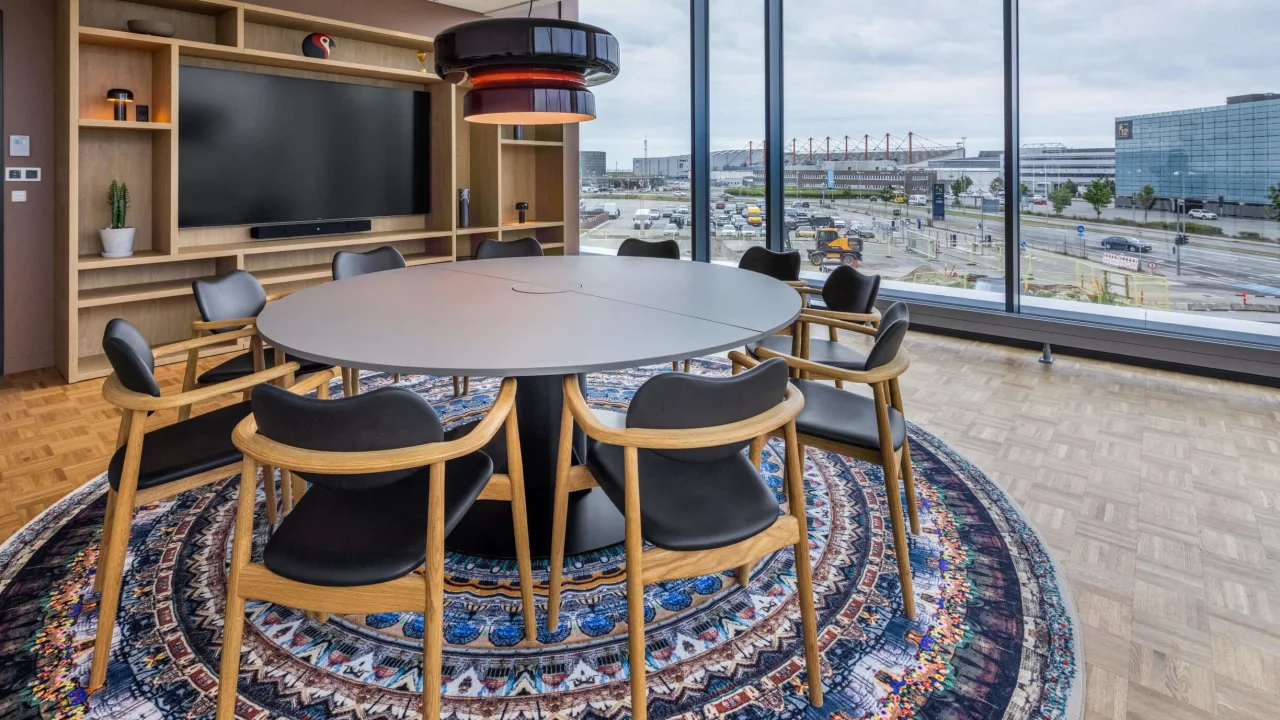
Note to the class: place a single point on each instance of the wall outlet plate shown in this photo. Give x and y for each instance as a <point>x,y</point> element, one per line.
<point>19,196</point>
<point>18,174</point>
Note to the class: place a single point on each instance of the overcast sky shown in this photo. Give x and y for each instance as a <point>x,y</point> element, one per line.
<point>933,67</point>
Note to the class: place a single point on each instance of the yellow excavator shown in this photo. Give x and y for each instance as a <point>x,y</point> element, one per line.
<point>829,245</point>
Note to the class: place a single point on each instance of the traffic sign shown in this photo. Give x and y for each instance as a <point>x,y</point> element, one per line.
<point>1023,244</point>
<point>1151,265</point>
<point>1080,230</point>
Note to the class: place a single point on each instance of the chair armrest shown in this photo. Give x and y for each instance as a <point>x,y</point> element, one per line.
<point>269,452</point>
<point>893,369</point>
<point>314,381</point>
<point>808,317</point>
<point>185,345</point>
<point>277,296</point>
<point>743,359</point>
<point>206,325</point>
<point>120,396</point>
<point>871,317</point>
<point>806,290</point>
<point>682,439</point>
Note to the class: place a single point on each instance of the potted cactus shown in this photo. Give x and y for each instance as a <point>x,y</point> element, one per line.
<point>117,240</point>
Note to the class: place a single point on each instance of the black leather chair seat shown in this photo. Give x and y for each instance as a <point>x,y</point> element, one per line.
<point>341,538</point>
<point>844,417</point>
<point>242,365</point>
<point>686,505</point>
<point>823,352</point>
<point>184,448</point>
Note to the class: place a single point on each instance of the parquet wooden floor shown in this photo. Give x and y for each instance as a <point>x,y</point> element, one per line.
<point>1159,494</point>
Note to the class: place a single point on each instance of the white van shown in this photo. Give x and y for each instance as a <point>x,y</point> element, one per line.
<point>643,220</point>
<point>612,209</point>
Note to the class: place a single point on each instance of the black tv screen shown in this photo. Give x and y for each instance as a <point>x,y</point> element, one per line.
<point>257,149</point>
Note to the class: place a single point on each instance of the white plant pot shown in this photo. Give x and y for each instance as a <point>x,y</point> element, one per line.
<point>116,243</point>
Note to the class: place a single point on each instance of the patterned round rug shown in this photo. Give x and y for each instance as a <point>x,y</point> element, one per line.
<point>994,635</point>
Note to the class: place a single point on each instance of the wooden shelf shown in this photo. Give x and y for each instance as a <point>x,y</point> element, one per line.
<point>301,62</point>
<point>254,247</point>
<point>532,225</point>
<point>134,293</point>
<point>534,143</point>
<point>125,125</point>
<point>140,257</point>
<point>122,39</point>
<point>478,230</point>
<point>553,246</point>
<point>338,28</point>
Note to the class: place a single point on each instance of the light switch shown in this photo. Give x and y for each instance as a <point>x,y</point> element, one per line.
<point>19,196</point>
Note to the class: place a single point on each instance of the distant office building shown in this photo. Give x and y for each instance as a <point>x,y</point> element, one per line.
<point>592,163</point>
<point>912,182</point>
<point>1222,158</point>
<point>1044,166</point>
<point>678,165</point>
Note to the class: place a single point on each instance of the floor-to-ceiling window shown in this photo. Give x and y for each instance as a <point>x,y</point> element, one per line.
<point>1151,164</point>
<point>634,158</point>
<point>736,51</point>
<point>884,103</point>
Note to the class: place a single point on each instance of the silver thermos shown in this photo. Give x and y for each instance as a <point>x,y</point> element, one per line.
<point>464,208</point>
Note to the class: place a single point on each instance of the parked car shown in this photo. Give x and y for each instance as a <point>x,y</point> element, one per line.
<point>655,215</point>
<point>739,222</point>
<point>728,230</point>
<point>612,209</point>
<point>838,222</point>
<point>668,211</point>
<point>719,206</point>
<point>643,220</point>
<point>1120,242</point>
<point>739,207</point>
<point>671,230</point>
<point>1039,201</point>
<point>863,230</point>
<point>799,203</point>
<point>1199,214</point>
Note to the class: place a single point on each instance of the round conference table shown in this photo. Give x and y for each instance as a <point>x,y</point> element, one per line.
<point>537,319</point>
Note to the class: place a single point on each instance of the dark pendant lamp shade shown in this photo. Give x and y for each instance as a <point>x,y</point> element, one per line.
<point>527,71</point>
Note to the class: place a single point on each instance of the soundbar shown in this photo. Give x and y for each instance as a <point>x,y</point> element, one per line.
<point>323,227</point>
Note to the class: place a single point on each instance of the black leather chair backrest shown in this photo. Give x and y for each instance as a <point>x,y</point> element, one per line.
<point>888,342</point>
<point>350,264</point>
<point>489,249</point>
<point>384,419</point>
<point>130,357</point>
<point>848,290</point>
<point>635,247</point>
<point>227,297</point>
<point>676,401</point>
<point>784,266</point>
<point>896,311</point>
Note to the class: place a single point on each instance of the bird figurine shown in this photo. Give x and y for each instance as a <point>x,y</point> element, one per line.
<point>318,45</point>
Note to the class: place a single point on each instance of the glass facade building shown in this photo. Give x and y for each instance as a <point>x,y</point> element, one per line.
<point>1230,151</point>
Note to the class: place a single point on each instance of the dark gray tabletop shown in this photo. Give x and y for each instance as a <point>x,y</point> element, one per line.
<point>529,316</point>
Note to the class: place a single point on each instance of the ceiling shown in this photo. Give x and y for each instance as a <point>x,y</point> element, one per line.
<point>492,6</point>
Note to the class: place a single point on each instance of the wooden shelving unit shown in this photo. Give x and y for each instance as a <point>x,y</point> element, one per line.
<point>152,288</point>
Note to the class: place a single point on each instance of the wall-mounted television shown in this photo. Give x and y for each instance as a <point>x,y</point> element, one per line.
<point>257,149</point>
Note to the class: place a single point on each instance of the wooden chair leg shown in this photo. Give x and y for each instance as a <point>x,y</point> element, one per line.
<point>322,617</point>
<point>466,385</point>
<point>756,452</point>
<point>397,378</point>
<point>687,363</point>
<point>635,587</point>
<point>269,484</point>
<point>433,632</point>
<point>116,546</point>
<point>347,390</point>
<point>804,570</point>
<point>520,521</point>
<point>457,386</point>
<point>233,620</point>
<point>355,380</point>
<point>286,491</point>
<point>908,477</point>
<point>742,574</point>
<point>675,366</point>
<point>189,377</point>
<point>559,517</point>
<point>889,463</point>
<point>736,369</point>
<point>103,549</point>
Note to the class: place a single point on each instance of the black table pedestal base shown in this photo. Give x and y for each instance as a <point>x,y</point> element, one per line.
<point>593,521</point>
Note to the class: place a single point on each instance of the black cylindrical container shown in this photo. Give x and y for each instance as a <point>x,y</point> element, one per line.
<point>464,208</point>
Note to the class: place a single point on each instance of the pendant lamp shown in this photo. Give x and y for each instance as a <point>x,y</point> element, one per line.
<point>527,71</point>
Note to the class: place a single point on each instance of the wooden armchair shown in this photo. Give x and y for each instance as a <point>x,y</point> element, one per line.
<point>871,429</point>
<point>373,515</point>
<point>163,462</point>
<point>662,469</point>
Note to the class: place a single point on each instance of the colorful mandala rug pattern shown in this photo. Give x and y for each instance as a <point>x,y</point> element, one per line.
<point>994,636</point>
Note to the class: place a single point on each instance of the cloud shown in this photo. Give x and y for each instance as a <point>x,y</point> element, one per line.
<point>932,67</point>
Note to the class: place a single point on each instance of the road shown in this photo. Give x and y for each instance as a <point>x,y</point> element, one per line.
<point>1214,270</point>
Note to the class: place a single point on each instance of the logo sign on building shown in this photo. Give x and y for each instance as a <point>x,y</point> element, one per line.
<point>831,179</point>
<point>939,201</point>
<point>1124,129</point>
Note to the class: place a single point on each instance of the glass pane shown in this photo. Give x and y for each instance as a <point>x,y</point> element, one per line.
<point>737,128</point>
<point>635,156</point>
<point>1149,169</point>
<point>885,103</point>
